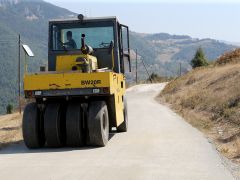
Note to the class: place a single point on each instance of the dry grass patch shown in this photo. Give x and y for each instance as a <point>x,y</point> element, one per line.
<point>229,57</point>
<point>10,129</point>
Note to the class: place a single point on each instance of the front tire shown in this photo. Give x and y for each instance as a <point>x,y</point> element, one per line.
<point>98,123</point>
<point>74,125</point>
<point>55,125</point>
<point>32,127</point>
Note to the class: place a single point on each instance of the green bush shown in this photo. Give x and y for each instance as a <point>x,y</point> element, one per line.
<point>199,59</point>
<point>158,79</point>
<point>153,76</point>
<point>9,109</point>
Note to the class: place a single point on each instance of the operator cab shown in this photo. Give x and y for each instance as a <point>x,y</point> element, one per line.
<point>104,40</point>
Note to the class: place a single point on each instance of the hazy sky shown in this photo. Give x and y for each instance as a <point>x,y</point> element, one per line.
<point>218,19</point>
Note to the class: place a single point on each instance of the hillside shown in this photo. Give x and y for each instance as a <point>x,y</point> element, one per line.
<point>162,52</point>
<point>30,19</point>
<point>209,99</point>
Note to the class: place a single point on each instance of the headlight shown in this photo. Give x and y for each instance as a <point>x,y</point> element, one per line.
<point>96,91</point>
<point>38,93</point>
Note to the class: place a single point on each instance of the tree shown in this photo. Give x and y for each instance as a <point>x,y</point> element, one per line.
<point>199,59</point>
<point>9,109</point>
<point>153,76</point>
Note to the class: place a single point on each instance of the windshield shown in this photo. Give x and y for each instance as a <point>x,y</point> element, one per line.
<point>65,37</point>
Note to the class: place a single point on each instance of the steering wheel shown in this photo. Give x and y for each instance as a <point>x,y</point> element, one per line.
<point>62,45</point>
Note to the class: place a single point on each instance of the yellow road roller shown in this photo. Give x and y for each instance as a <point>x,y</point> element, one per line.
<point>80,97</point>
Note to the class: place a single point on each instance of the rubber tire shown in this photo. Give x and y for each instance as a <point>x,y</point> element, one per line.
<point>32,127</point>
<point>55,125</point>
<point>98,123</point>
<point>124,126</point>
<point>74,125</point>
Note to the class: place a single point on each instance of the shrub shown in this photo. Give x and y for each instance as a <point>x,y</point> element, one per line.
<point>9,109</point>
<point>199,59</point>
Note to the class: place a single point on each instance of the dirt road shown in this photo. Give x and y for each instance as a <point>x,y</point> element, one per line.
<point>159,145</point>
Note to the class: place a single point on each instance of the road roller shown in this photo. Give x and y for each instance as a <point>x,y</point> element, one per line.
<point>79,98</point>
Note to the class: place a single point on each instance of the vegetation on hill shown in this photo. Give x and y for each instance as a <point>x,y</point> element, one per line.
<point>199,59</point>
<point>229,57</point>
<point>155,78</point>
<point>30,19</point>
<point>209,98</point>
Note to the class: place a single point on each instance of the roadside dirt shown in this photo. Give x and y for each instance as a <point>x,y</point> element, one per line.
<point>10,129</point>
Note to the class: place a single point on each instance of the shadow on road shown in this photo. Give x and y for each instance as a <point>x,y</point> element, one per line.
<point>20,148</point>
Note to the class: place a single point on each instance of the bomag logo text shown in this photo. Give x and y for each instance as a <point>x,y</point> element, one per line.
<point>90,82</point>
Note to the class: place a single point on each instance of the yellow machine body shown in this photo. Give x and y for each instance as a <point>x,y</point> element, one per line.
<point>67,62</point>
<point>112,83</point>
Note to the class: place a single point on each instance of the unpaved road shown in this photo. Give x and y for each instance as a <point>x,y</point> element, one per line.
<point>159,145</point>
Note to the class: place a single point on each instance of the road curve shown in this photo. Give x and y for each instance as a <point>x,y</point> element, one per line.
<point>159,145</point>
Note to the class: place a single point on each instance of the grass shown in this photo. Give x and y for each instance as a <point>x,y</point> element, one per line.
<point>10,129</point>
<point>209,99</point>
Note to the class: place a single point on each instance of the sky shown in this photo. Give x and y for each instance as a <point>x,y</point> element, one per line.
<point>216,19</point>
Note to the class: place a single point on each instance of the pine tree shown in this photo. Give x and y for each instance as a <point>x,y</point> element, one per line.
<point>199,59</point>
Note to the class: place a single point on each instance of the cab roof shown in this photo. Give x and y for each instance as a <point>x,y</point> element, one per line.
<point>88,19</point>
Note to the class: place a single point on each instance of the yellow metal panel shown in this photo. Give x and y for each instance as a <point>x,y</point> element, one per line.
<point>70,80</point>
<point>118,89</point>
<point>66,62</point>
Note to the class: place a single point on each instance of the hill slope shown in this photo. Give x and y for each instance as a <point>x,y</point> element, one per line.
<point>30,19</point>
<point>209,98</point>
<point>162,52</point>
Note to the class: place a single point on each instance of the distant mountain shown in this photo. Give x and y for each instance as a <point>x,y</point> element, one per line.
<point>166,36</point>
<point>231,43</point>
<point>162,52</point>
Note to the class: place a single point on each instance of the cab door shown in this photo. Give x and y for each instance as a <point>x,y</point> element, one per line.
<point>124,47</point>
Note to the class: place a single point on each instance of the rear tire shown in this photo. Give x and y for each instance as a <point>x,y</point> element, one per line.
<point>98,123</point>
<point>124,126</point>
<point>32,127</point>
<point>54,125</point>
<point>74,125</point>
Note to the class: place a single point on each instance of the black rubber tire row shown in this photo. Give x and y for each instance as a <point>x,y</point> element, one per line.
<point>62,126</point>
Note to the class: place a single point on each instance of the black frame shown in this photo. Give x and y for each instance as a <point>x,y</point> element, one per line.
<point>118,45</point>
<point>121,48</point>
